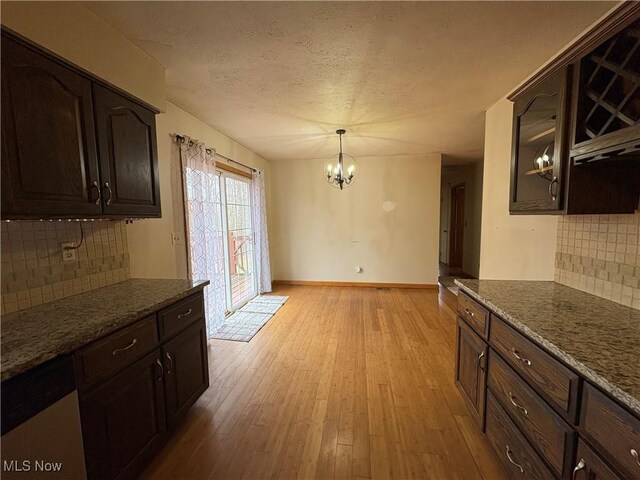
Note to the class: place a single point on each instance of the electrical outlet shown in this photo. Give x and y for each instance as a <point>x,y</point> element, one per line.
<point>176,238</point>
<point>68,254</point>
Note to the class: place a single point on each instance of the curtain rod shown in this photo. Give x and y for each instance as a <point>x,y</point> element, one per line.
<point>210,150</point>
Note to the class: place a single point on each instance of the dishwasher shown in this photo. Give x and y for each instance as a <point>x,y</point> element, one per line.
<point>41,430</point>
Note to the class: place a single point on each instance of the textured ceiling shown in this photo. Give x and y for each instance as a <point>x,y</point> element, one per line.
<point>401,77</point>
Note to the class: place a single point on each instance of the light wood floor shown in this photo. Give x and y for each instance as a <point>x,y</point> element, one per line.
<point>341,383</point>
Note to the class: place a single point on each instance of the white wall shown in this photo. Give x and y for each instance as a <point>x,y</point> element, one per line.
<point>152,253</point>
<point>73,32</point>
<point>471,176</point>
<point>322,234</point>
<point>512,247</point>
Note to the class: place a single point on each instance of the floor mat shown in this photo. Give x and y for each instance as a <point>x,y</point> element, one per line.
<point>246,322</point>
<point>272,299</point>
<point>242,326</point>
<point>257,307</point>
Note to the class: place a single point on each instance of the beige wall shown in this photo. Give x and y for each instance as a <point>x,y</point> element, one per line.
<point>152,254</point>
<point>512,247</point>
<point>322,234</point>
<point>471,176</point>
<point>72,31</point>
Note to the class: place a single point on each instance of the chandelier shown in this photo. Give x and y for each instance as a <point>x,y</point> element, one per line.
<point>341,168</point>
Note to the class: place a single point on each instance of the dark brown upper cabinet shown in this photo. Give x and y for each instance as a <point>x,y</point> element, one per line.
<point>607,99</point>
<point>128,155</point>
<point>72,146</point>
<point>584,107</point>
<point>49,160</point>
<point>538,146</point>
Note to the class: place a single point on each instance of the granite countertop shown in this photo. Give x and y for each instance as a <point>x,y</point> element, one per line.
<point>33,336</point>
<point>597,337</point>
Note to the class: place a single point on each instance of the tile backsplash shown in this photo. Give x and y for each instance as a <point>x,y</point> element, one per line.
<point>599,254</point>
<point>32,268</point>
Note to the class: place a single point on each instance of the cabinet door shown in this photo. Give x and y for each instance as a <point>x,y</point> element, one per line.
<point>186,370</point>
<point>589,466</point>
<point>126,133</point>
<point>471,376</point>
<point>539,149</point>
<point>49,162</point>
<point>123,421</point>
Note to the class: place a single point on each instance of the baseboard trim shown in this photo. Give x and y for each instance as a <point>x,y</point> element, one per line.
<point>314,283</point>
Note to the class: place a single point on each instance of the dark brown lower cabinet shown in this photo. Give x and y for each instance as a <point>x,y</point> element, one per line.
<point>123,421</point>
<point>542,418</point>
<point>589,466</point>
<point>147,383</point>
<point>186,370</point>
<point>511,447</point>
<point>471,376</point>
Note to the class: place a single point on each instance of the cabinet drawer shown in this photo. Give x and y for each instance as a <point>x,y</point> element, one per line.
<point>180,315</point>
<point>552,380</point>
<point>589,466</point>
<point>614,430</point>
<point>549,434</point>
<point>511,447</point>
<point>111,354</point>
<point>475,314</point>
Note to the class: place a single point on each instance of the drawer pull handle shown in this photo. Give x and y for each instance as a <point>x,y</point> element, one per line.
<point>512,461</point>
<point>185,314</point>
<point>553,194</point>
<point>159,363</point>
<point>526,361</point>
<point>469,312</point>
<point>97,187</point>
<point>170,358</point>
<point>480,363</point>
<point>124,349</point>
<point>512,397</point>
<point>108,187</point>
<point>634,454</point>
<point>581,464</point>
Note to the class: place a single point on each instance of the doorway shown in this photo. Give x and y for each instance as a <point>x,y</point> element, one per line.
<point>456,226</point>
<point>221,243</point>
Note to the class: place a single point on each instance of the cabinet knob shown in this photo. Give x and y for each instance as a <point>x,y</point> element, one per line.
<point>185,314</point>
<point>634,454</point>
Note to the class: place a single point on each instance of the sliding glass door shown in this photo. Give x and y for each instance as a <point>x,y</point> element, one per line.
<point>221,240</point>
<point>241,278</point>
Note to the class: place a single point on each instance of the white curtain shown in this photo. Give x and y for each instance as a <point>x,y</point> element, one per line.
<point>205,236</point>
<point>259,214</point>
